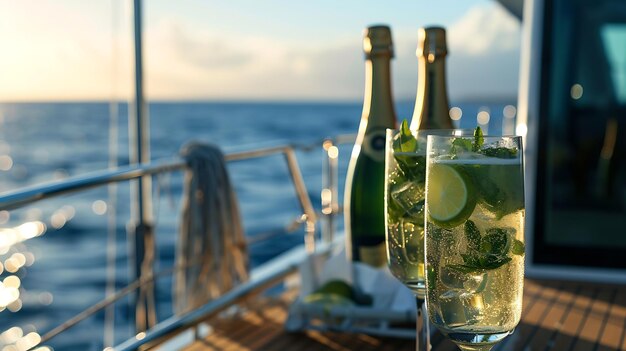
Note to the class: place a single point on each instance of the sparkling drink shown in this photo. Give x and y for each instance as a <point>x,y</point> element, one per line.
<point>405,193</point>
<point>475,238</point>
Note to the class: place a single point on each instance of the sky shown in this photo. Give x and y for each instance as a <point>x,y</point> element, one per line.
<point>245,49</point>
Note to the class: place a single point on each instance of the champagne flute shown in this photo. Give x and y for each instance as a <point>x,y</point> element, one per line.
<point>405,178</point>
<point>474,237</point>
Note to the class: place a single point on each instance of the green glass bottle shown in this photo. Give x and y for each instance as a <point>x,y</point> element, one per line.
<point>364,197</point>
<point>432,110</point>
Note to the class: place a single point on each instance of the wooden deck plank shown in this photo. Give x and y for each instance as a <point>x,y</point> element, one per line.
<point>615,324</point>
<point>548,327</point>
<point>594,323</point>
<point>252,328</point>
<point>575,319</point>
<point>622,315</point>
<point>556,316</point>
<point>248,331</point>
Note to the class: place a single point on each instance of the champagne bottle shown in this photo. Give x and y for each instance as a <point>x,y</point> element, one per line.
<point>364,197</point>
<point>431,103</point>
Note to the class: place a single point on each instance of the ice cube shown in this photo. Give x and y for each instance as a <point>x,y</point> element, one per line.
<point>410,197</point>
<point>468,282</point>
<point>458,308</point>
<point>412,241</point>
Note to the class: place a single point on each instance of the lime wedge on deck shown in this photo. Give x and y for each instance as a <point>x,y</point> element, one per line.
<point>337,287</point>
<point>450,196</point>
<point>333,293</point>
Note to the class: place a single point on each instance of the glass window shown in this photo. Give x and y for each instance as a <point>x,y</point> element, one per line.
<point>614,40</point>
<point>581,178</point>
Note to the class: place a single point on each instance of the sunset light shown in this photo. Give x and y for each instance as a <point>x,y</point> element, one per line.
<point>167,166</point>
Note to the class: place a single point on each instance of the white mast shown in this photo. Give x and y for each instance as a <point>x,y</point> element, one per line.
<point>141,234</point>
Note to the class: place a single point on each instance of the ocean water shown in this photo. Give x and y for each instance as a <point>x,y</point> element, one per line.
<point>63,269</point>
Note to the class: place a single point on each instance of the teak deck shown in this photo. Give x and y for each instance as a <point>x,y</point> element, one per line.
<point>557,316</point>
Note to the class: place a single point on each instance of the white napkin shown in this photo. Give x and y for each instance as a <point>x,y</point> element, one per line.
<point>386,291</point>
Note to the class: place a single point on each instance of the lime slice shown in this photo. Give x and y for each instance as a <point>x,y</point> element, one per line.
<point>451,199</point>
<point>328,300</point>
<point>336,287</point>
<point>334,292</point>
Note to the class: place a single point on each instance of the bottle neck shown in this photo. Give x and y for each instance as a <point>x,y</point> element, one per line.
<point>378,108</point>
<point>432,110</point>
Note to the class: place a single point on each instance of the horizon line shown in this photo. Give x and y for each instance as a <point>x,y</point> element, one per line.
<point>467,99</point>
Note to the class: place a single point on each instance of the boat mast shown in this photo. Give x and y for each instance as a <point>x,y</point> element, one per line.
<point>141,233</point>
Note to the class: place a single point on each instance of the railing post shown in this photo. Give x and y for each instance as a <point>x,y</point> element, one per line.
<point>141,233</point>
<point>330,204</point>
<point>303,196</point>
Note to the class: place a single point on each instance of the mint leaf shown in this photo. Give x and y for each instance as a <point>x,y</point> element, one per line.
<point>471,260</point>
<point>489,262</point>
<point>518,248</point>
<point>476,145</point>
<point>489,251</point>
<point>465,269</point>
<point>468,144</point>
<point>463,144</point>
<point>500,152</point>
<point>406,142</point>
<point>405,146</point>
<point>479,140</point>
<point>481,262</point>
<point>413,167</point>
<point>495,242</point>
<point>472,234</point>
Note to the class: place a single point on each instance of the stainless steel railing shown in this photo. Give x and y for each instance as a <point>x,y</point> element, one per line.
<point>271,273</point>
<point>20,198</point>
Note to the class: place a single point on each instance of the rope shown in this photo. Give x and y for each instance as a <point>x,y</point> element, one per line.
<point>210,231</point>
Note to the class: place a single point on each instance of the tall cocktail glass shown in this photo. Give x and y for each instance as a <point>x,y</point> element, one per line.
<point>474,237</point>
<point>405,184</point>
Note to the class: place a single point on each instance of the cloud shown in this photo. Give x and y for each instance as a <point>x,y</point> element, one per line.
<point>484,55</point>
<point>484,30</point>
<point>200,49</point>
<point>483,62</point>
<point>197,64</point>
<point>183,60</point>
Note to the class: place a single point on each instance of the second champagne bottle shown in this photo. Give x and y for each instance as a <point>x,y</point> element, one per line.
<point>432,110</point>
